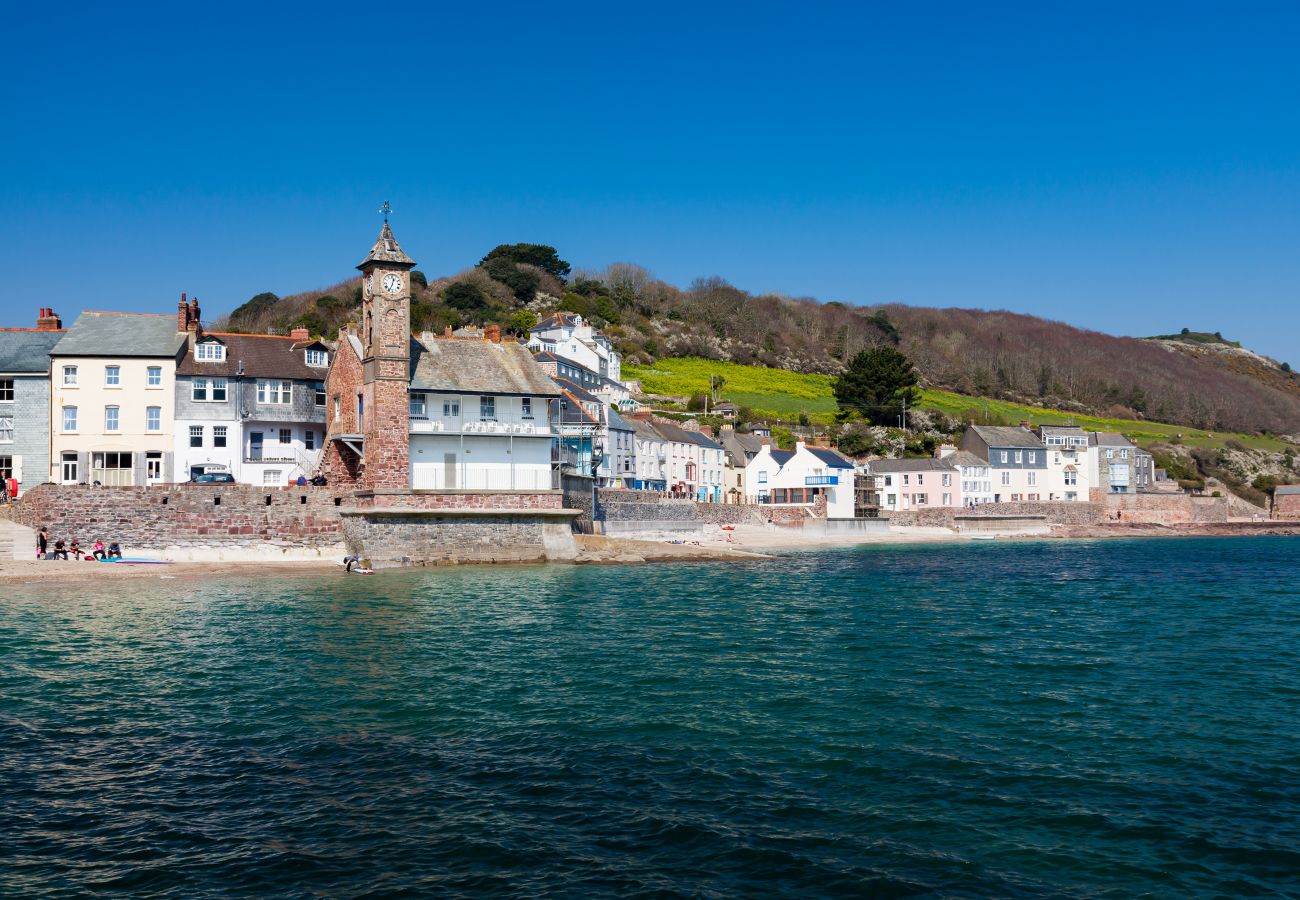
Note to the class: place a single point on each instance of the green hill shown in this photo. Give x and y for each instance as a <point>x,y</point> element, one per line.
<point>776,393</point>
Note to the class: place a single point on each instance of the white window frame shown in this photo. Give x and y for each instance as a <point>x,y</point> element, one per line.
<point>6,387</point>
<point>317,358</point>
<point>116,418</point>
<point>153,419</point>
<point>273,477</point>
<point>219,436</point>
<point>417,406</point>
<point>451,408</point>
<point>6,429</point>
<point>153,377</point>
<point>113,376</point>
<point>196,431</point>
<point>285,436</point>
<point>319,388</point>
<point>69,376</point>
<point>66,429</point>
<point>275,393</point>
<point>526,407</point>
<point>487,408</point>
<point>209,351</point>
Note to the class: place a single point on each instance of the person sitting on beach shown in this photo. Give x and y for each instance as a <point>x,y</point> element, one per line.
<point>97,549</point>
<point>60,552</point>
<point>114,551</point>
<point>75,549</point>
<point>350,561</point>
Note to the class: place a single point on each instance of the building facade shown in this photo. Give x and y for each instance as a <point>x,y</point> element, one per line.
<point>569,336</point>
<point>252,406</point>
<point>917,483</point>
<point>803,477</point>
<point>113,397</point>
<point>1017,461</point>
<point>1069,475</point>
<point>25,401</point>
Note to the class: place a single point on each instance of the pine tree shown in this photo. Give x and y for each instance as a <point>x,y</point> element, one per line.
<point>875,384</point>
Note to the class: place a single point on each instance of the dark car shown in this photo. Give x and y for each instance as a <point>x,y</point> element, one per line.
<point>213,478</point>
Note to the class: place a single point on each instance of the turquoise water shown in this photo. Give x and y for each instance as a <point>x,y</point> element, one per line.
<point>1101,719</point>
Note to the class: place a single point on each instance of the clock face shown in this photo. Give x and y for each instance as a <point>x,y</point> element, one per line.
<point>392,283</point>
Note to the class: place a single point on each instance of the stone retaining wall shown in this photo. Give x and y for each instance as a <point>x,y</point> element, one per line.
<point>279,522</point>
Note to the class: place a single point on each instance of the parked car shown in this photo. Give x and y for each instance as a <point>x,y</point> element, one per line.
<point>213,478</point>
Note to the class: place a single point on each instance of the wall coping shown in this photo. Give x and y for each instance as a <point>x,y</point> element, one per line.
<point>450,492</point>
<point>405,512</point>
<point>1016,517</point>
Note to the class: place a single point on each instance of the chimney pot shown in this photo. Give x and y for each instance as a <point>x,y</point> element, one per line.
<point>493,333</point>
<point>300,333</point>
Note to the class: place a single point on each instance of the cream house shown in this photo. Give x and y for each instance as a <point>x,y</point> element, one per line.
<point>113,397</point>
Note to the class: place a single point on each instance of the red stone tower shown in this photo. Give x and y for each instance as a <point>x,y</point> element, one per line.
<point>383,401</point>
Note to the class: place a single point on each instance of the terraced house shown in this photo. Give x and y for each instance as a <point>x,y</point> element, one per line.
<point>25,401</point>
<point>113,397</point>
<point>251,405</point>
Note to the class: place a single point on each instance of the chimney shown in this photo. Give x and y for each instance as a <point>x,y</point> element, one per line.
<point>194,315</point>
<point>728,428</point>
<point>706,429</point>
<point>446,332</point>
<point>48,320</point>
<point>300,334</point>
<point>1027,425</point>
<point>492,333</point>
<point>182,315</point>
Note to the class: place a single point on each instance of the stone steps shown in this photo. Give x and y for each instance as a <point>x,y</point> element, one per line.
<point>16,541</point>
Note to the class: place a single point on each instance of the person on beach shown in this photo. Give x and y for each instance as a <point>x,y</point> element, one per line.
<point>75,549</point>
<point>97,549</point>
<point>42,542</point>
<point>350,561</point>
<point>114,550</point>
<point>60,551</point>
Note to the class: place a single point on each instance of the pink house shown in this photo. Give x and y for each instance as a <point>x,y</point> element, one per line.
<point>917,483</point>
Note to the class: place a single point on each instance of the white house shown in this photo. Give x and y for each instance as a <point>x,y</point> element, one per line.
<point>1069,469</point>
<point>975,474</point>
<point>652,469</point>
<point>567,335</point>
<point>799,478</point>
<point>478,415</point>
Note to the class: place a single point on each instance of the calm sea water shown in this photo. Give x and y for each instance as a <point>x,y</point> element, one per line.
<point>1107,719</point>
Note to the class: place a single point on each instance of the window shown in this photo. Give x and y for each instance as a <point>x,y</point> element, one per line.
<point>920,478</point>
<point>69,466</point>
<point>286,436</point>
<point>947,499</point>
<point>947,480</point>
<point>317,358</point>
<point>527,407</point>
<point>112,419</point>
<point>416,406</point>
<point>889,480</point>
<point>309,439</point>
<point>338,408</point>
<point>153,418</point>
<point>218,435</point>
<point>219,390</point>
<point>1033,478</point>
<point>487,408</point>
<point>6,429</point>
<point>153,376</point>
<point>209,351</point>
<point>196,435</point>
<point>112,469</point>
<point>272,476</point>
<point>1020,456</point>
<point>762,477</point>
<point>920,499</point>
<point>6,467</point>
<point>112,376</point>
<point>1004,455</point>
<point>280,392</point>
<point>6,390</point>
<point>199,389</point>
<point>361,411</point>
<point>1033,457</point>
<point>1006,478</point>
<point>69,376</point>
<point>1110,454</point>
<point>905,479</point>
<point>1123,453</point>
<point>319,388</point>
<point>69,418</point>
<point>1071,477</point>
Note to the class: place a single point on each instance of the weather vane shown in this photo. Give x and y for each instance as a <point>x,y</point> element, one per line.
<point>386,210</point>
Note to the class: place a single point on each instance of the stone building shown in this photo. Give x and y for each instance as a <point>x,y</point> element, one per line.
<point>441,444</point>
<point>1286,501</point>
<point>252,405</point>
<point>25,400</point>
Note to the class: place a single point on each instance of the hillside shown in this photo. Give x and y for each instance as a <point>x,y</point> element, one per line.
<point>1197,383</point>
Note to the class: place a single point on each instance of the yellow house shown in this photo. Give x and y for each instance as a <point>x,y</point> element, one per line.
<point>113,397</point>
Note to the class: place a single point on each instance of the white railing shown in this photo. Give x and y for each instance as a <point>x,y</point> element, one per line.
<point>481,427</point>
<point>435,477</point>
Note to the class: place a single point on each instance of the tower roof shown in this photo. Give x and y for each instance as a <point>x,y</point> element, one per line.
<point>386,250</point>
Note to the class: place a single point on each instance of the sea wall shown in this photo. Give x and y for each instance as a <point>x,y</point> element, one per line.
<point>1055,513</point>
<point>1145,509</point>
<point>392,537</point>
<point>192,521</point>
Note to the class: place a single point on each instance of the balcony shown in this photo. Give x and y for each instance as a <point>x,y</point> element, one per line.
<point>818,480</point>
<point>485,426</point>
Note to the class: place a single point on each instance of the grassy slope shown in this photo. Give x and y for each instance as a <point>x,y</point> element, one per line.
<point>777,393</point>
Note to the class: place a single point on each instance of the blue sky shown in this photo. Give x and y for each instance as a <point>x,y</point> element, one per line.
<point>1133,168</point>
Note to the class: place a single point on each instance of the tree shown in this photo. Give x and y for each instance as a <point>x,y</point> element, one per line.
<point>522,321</point>
<point>419,278</point>
<point>875,385</point>
<point>542,256</point>
<point>522,282</point>
<point>464,296</point>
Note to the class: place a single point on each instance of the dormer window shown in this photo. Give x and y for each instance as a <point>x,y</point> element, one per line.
<point>317,358</point>
<point>210,351</point>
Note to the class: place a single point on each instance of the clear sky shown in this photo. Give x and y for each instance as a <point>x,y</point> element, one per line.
<point>1133,168</point>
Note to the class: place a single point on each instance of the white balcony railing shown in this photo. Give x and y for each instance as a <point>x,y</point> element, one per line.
<point>435,426</point>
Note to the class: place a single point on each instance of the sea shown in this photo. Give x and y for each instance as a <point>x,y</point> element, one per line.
<point>1112,718</point>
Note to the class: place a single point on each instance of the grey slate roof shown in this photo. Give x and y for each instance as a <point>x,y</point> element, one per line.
<point>1287,489</point>
<point>617,422</point>
<point>121,334</point>
<point>25,350</point>
<point>1072,430</point>
<point>386,249</point>
<point>646,431</point>
<point>965,458</point>
<point>928,464</point>
<point>832,458</point>
<point>1008,436</point>
<point>455,365</point>
<point>1108,439</point>
<point>782,456</point>
<point>703,440</point>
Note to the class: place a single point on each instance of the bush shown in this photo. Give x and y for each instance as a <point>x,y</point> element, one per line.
<point>465,296</point>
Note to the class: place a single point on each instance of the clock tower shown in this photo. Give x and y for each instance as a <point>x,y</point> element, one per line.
<point>384,401</point>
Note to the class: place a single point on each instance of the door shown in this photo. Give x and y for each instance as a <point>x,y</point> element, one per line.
<point>449,471</point>
<point>69,474</point>
<point>255,441</point>
<point>153,468</point>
